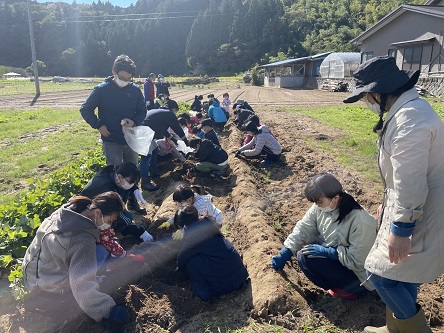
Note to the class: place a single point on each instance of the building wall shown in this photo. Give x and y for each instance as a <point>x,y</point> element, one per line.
<point>406,27</point>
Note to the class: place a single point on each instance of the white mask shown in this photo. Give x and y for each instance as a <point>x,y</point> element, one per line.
<point>327,209</point>
<point>120,82</point>
<point>375,108</point>
<point>104,225</point>
<point>126,185</point>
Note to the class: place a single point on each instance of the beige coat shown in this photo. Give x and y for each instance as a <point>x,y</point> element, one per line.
<point>352,238</point>
<point>411,161</point>
<point>62,257</point>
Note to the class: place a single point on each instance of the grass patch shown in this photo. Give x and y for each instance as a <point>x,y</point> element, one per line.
<point>15,123</point>
<point>16,87</point>
<point>357,149</point>
<point>41,152</point>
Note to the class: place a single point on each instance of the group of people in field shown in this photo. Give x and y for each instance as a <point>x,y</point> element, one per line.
<point>337,244</point>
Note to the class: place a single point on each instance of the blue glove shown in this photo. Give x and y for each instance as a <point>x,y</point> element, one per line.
<point>319,251</point>
<point>119,315</point>
<point>278,262</point>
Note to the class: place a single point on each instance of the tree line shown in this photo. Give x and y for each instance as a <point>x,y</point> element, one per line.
<point>176,37</point>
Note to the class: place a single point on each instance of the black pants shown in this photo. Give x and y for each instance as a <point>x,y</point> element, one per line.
<point>327,274</point>
<point>267,154</point>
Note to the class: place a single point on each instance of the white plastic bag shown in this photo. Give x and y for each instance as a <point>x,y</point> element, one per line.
<point>181,146</point>
<point>139,138</point>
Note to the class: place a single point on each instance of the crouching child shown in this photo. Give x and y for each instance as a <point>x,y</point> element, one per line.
<point>213,264</point>
<point>211,158</point>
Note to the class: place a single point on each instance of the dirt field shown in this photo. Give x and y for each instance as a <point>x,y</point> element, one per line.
<point>260,209</point>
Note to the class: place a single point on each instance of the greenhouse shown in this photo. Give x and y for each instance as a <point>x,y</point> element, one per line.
<point>339,65</point>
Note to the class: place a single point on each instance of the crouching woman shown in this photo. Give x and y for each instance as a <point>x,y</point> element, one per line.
<point>59,267</point>
<point>332,240</point>
<point>213,264</point>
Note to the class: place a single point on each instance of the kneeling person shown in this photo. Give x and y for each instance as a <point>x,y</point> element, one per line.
<point>213,264</point>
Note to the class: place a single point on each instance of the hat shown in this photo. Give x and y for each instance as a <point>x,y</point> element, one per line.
<point>207,122</point>
<point>240,101</point>
<point>159,76</point>
<point>381,75</point>
<point>151,74</point>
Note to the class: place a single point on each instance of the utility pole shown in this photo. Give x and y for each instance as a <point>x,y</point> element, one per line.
<point>34,58</point>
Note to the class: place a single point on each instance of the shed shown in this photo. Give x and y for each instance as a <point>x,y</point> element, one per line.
<point>292,72</point>
<point>338,65</point>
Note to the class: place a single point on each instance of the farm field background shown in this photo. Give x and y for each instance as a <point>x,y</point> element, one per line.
<point>318,134</point>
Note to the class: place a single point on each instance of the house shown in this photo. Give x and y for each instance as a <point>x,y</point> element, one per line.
<point>292,73</point>
<point>413,34</point>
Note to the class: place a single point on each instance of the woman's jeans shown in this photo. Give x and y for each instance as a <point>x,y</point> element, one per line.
<point>400,297</point>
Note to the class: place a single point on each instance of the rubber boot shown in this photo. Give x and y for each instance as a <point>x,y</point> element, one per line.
<point>415,324</point>
<point>153,171</point>
<point>134,205</point>
<point>390,324</point>
<point>147,185</point>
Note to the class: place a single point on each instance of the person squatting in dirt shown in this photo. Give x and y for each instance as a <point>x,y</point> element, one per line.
<point>59,267</point>
<point>120,103</point>
<point>197,103</point>
<point>160,121</point>
<point>241,116</point>
<point>211,158</point>
<point>209,133</point>
<point>263,145</point>
<point>332,240</point>
<point>212,262</point>
<point>122,179</point>
<point>216,113</point>
<point>408,250</point>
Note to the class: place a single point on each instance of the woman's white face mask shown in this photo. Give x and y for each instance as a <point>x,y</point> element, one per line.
<point>104,225</point>
<point>375,108</point>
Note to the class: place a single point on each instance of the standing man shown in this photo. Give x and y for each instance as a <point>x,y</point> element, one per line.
<point>162,86</point>
<point>148,89</point>
<point>120,103</point>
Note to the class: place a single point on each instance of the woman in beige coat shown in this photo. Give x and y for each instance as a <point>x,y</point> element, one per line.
<point>408,250</point>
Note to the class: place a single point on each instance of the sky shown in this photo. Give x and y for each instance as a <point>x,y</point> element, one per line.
<point>120,3</point>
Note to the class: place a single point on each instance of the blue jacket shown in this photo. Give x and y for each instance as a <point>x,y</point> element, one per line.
<point>216,113</point>
<point>114,104</point>
<point>213,264</point>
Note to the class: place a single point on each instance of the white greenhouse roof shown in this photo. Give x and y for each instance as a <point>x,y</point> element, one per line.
<point>296,60</point>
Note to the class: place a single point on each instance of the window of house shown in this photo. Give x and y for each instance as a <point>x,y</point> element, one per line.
<point>392,53</point>
<point>366,56</point>
<point>412,55</point>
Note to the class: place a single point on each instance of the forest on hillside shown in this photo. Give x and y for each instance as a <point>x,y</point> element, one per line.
<point>176,37</point>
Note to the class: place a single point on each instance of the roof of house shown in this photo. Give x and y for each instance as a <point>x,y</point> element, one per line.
<point>296,60</point>
<point>430,10</point>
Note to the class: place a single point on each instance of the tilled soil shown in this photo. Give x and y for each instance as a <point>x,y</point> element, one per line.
<point>261,206</point>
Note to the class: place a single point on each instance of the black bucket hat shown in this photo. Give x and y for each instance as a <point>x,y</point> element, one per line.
<point>381,75</point>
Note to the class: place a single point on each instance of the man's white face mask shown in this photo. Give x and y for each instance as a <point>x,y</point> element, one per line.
<point>120,82</point>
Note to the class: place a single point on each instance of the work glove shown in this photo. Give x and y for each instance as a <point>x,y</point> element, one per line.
<point>319,251</point>
<point>278,262</point>
<point>119,316</point>
<point>146,237</point>
<point>178,235</point>
<point>138,196</point>
<point>167,224</point>
<point>147,103</point>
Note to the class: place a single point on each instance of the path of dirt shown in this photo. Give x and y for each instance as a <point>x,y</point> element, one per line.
<point>260,209</point>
